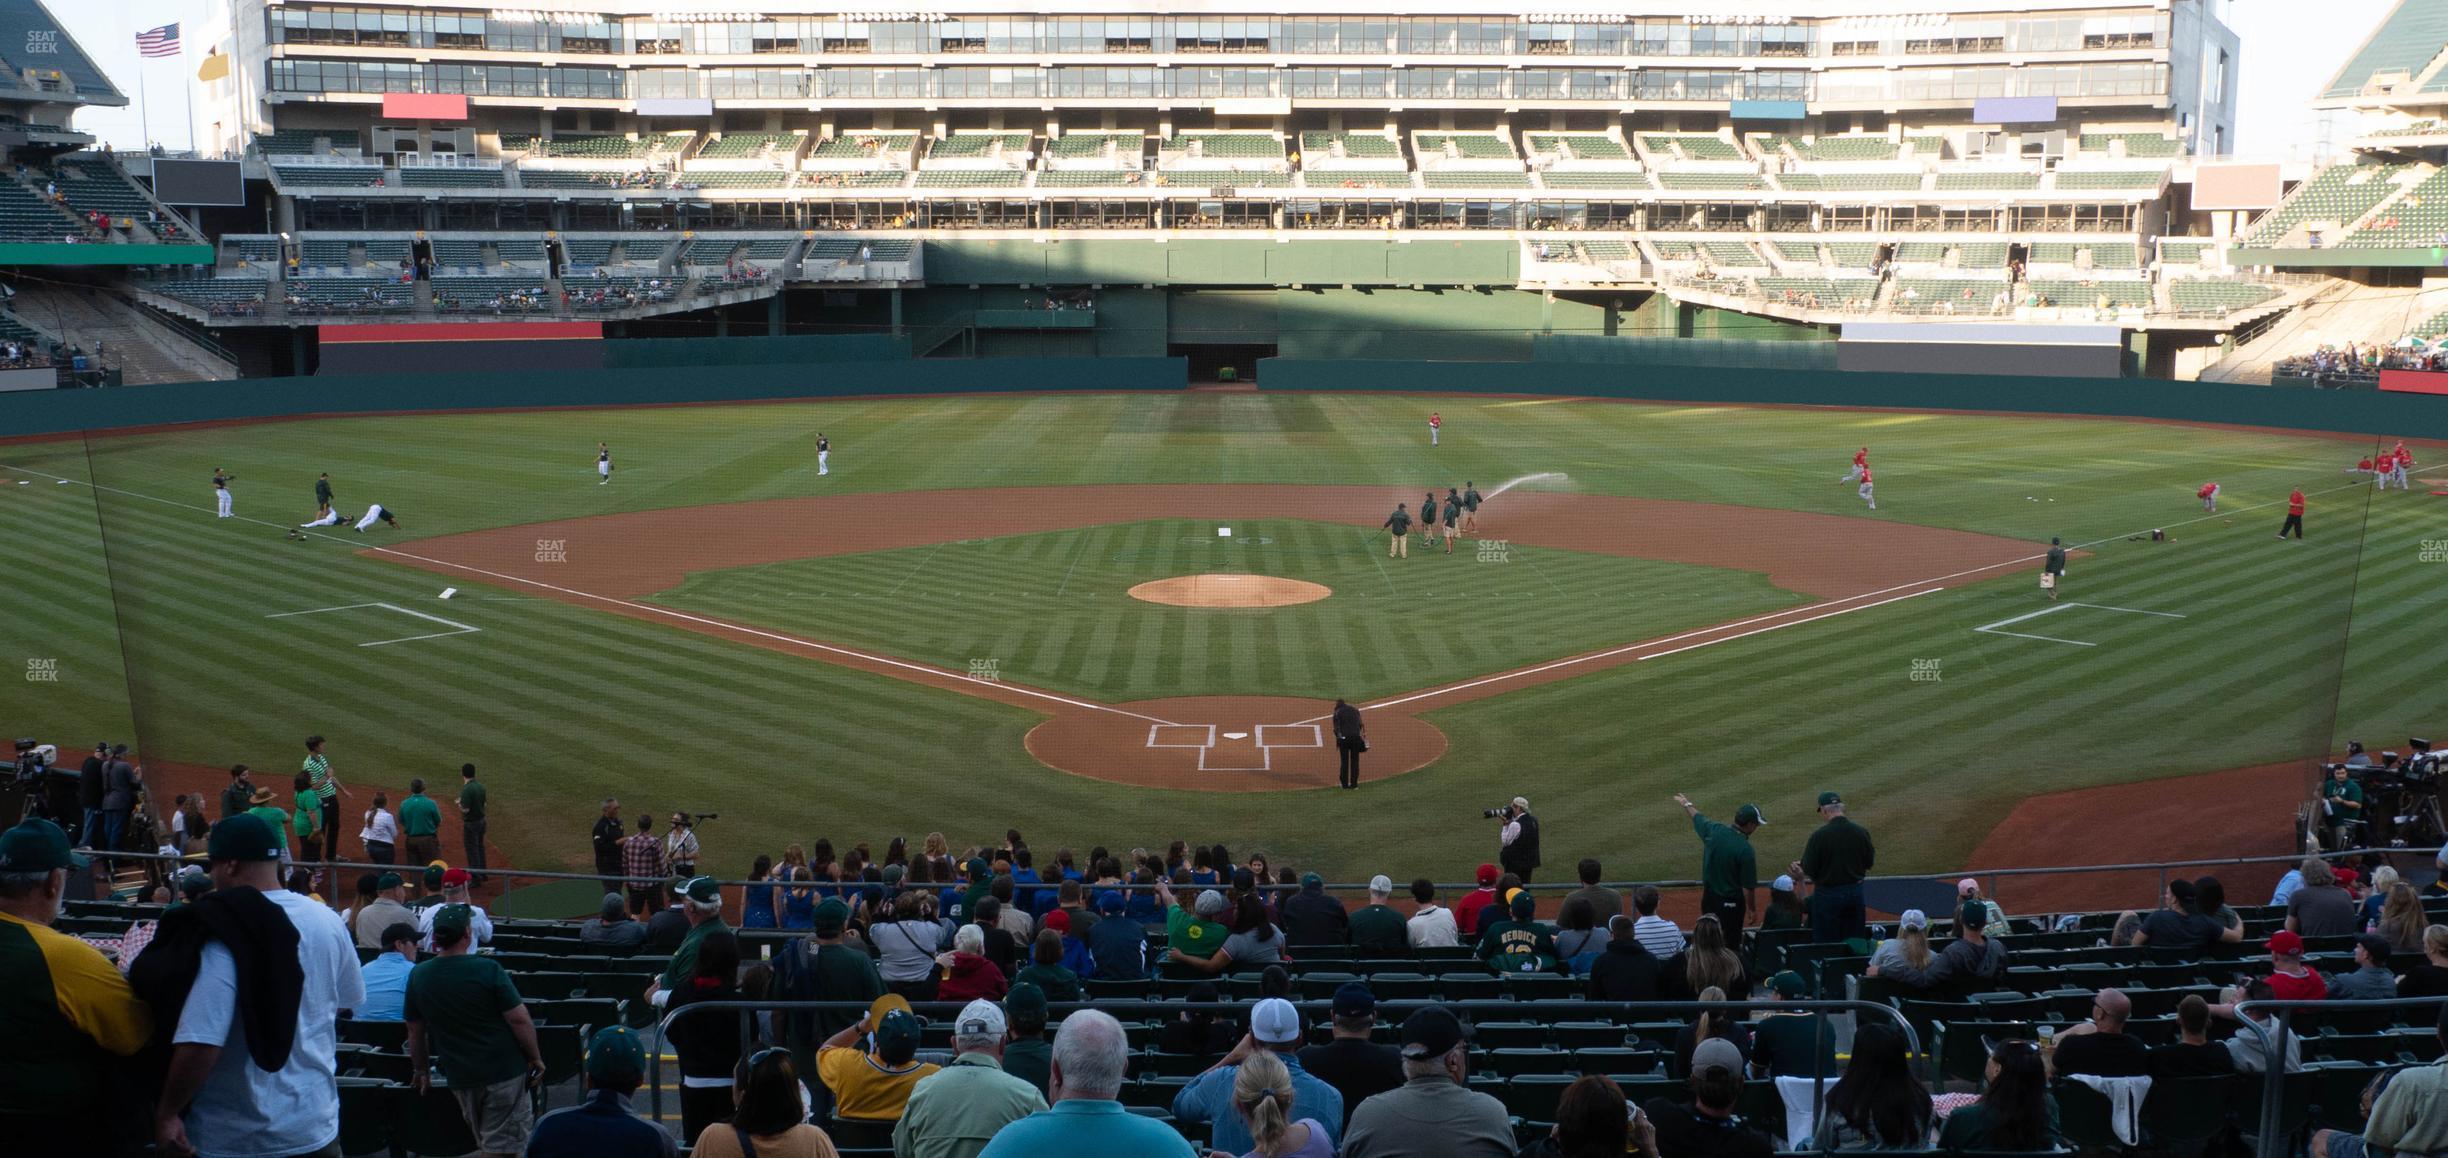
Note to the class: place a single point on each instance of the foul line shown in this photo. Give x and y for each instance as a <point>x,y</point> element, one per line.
<point>630,605</point>
<point>1992,628</point>
<point>463,629</point>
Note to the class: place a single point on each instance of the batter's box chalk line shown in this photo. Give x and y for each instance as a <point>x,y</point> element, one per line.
<point>1994,628</point>
<point>457,628</point>
<point>1263,739</point>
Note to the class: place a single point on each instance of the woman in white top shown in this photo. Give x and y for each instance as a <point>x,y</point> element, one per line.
<point>381,831</point>
<point>907,941</point>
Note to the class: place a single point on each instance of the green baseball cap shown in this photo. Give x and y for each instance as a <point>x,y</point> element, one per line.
<point>1749,814</point>
<point>701,889</point>
<point>896,1037</point>
<point>433,875</point>
<point>832,916</point>
<point>615,1057</point>
<point>451,920</point>
<point>1789,984</point>
<point>1829,798</point>
<point>388,881</point>
<point>243,837</point>
<point>38,846</point>
<point>1025,1001</point>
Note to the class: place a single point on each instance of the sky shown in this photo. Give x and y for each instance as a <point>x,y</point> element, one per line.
<point>2286,58</point>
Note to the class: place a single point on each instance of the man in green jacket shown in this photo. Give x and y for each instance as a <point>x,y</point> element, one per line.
<point>701,901</point>
<point>1729,869</point>
<point>1378,929</point>
<point>1519,943</point>
<point>420,822</point>
<point>1399,525</point>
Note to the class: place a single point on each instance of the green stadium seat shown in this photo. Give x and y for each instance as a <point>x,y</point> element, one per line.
<point>430,1123</point>
<point>1534,1096</point>
<point>367,1106</point>
<point>1515,1062</point>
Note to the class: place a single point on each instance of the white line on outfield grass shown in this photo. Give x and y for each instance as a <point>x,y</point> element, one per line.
<point>646,608</point>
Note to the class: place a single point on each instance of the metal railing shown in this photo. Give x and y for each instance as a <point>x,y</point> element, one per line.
<point>2273,1050</point>
<point>1318,1011</point>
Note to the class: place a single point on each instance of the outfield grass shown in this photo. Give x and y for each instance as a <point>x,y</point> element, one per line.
<point>2285,651</point>
<point>1054,610</point>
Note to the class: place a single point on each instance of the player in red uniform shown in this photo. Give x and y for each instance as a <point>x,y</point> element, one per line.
<point>1865,487</point>
<point>1861,465</point>
<point>1436,422</point>
<point>2405,461</point>
<point>2209,497</point>
<point>2294,519</point>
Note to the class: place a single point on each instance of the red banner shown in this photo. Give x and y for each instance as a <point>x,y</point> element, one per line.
<point>425,106</point>
<point>2414,381</point>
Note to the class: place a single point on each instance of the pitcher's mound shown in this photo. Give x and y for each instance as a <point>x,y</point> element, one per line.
<point>1230,591</point>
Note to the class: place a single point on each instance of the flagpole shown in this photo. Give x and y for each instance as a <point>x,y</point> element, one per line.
<point>188,83</point>
<point>144,116</point>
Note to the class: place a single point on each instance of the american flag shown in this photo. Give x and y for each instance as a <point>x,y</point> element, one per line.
<point>162,41</point>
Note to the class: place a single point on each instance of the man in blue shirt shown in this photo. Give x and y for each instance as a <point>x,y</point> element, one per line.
<point>603,1125</point>
<point>386,977</point>
<point>1117,944</point>
<point>1091,1054</point>
<point>1274,1026</point>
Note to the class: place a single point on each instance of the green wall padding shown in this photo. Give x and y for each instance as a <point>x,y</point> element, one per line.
<point>637,353</point>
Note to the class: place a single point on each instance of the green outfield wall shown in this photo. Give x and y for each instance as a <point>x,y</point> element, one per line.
<point>47,412</point>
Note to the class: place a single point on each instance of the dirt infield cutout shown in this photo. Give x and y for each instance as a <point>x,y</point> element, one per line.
<point>1230,591</point>
<point>1216,743</point>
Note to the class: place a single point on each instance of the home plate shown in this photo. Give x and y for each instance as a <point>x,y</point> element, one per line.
<point>1236,735</point>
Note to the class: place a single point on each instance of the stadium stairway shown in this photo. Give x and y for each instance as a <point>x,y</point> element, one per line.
<point>146,349</point>
<point>2339,312</point>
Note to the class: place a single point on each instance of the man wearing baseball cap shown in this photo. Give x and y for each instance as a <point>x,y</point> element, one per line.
<point>1729,869</point>
<point>253,1061</point>
<point>1377,929</point>
<point>823,968</point>
<point>1466,910</point>
<point>701,902</point>
<point>1117,946</point>
<point>1312,919</point>
<point>464,1008</point>
<point>1836,860</point>
<point>1434,1113</point>
<point>1793,1044</point>
<point>389,907</point>
<point>2290,979</point>
<point>954,1113</point>
<point>1706,1126</point>
<point>1357,1067</point>
<point>603,1125</point>
<point>874,1084</point>
<point>1275,1026</point>
<point>455,884</point>
<point>66,1008</point>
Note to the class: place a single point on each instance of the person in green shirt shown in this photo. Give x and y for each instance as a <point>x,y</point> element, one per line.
<point>823,968</point>
<point>327,797</point>
<point>420,822</point>
<point>1792,1044</point>
<point>1196,936</point>
<point>1519,943</point>
<point>981,884</point>
<point>273,817</point>
<point>701,901</point>
<point>304,820</point>
<point>1377,929</point>
<point>1045,969</point>
<point>464,1009</point>
<point>2341,805</point>
<point>1729,869</point>
<point>1029,1057</point>
<point>472,818</point>
<point>1398,525</point>
<point>433,888</point>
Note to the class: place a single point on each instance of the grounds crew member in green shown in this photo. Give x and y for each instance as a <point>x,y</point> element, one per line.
<point>420,822</point>
<point>1836,860</point>
<point>701,902</point>
<point>463,1009</point>
<point>472,818</point>
<point>1399,524</point>
<point>2052,572</point>
<point>1729,867</point>
<point>66,1007</point>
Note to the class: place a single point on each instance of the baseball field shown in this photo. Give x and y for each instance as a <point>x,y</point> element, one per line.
<point>941,633</point>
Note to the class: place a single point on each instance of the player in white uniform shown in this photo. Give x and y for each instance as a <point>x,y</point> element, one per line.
<point>603,463</point>
<point>1866,495</point>
<point>221,492</point>
<point>824,450</point>
<point>331,517</point>
<point>374,512</point>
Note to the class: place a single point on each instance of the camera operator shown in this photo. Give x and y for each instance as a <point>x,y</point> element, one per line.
<point>1518,842</point>
<point>2341,807</point>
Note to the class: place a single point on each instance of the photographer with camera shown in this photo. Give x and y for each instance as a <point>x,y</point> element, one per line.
<point>1518,841</point>
<point>2341,807</point>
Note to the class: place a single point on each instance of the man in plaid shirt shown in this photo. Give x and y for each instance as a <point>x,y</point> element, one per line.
<point>642,862</point>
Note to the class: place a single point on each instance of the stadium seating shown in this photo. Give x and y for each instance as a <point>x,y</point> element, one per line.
<point>1599,249</point>
<point>1578,146</point>
<point>254,249</point>
<point>587,251</point>
<point>1089,178</point>
<point>1316,147</point>
<point>215,294</point>
<point>1673,250</point>
<point>323,253</point>
<point>748,146</point>
<point>1848,182</point>
<point>853,178</point>
<point>287,142</point>
<point>847,249</point>
<point>2339,194</point>
<point>1997,179</point>
<point>1850,293</point>
<point>1927,146</point>
<point>1733,254</point>
<point>1462,146</point>
<point>978,145</point>
<point>450,177</point>
<point>2175,252</point>
<point>520,251</point>
<point>1631,179</point>
<point>2108,179</point>
<point>1691,146</point>
<point>1848,148</point>
<point>1223,146</point>
<point>328,176</point>
<point>25,216</point>
<point>1796,249</point>
<point>1948,296</point>
<point>2067,292</point>
<point>2136,144</point>
<point>1223,178</point>
<point>1088,143</point>
<point>767,249</point>
<point>733,179</point>
<point>1473,179</point>
<point>2104,254</point>
<point>594,148</point>
<point>1853,254</point>
<point>1674,179</point>
<point>357,294</point>
<point>971,178</point>
<point>856,145</point>
<point>2214,296</point>
<point>479,294</point>
<point>1317,178</point>
<point>2418,218</point>
<point>591,179</point>
<point>386,252</point>
<point>458,253</point>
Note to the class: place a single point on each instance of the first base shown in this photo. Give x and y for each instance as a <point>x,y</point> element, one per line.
<point>447,592</point>
<point>1223,532</point>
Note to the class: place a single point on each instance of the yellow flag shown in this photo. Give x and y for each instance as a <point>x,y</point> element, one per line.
<point>215,67</point>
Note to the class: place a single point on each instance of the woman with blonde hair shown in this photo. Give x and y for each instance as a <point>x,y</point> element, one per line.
<point>1262,1095</point>
<point>1711,1023</point>
<point>2402,918</point>
<point>2429,979</point>
<point>1908,949</point>
<point>1706,962</point>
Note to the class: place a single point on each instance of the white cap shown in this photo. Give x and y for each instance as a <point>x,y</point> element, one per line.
<point>980,1018</point>
<point>1783,884</point>
<point>1274,1021</point>
<point>1915,919</point>
<point>1381,883</point>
